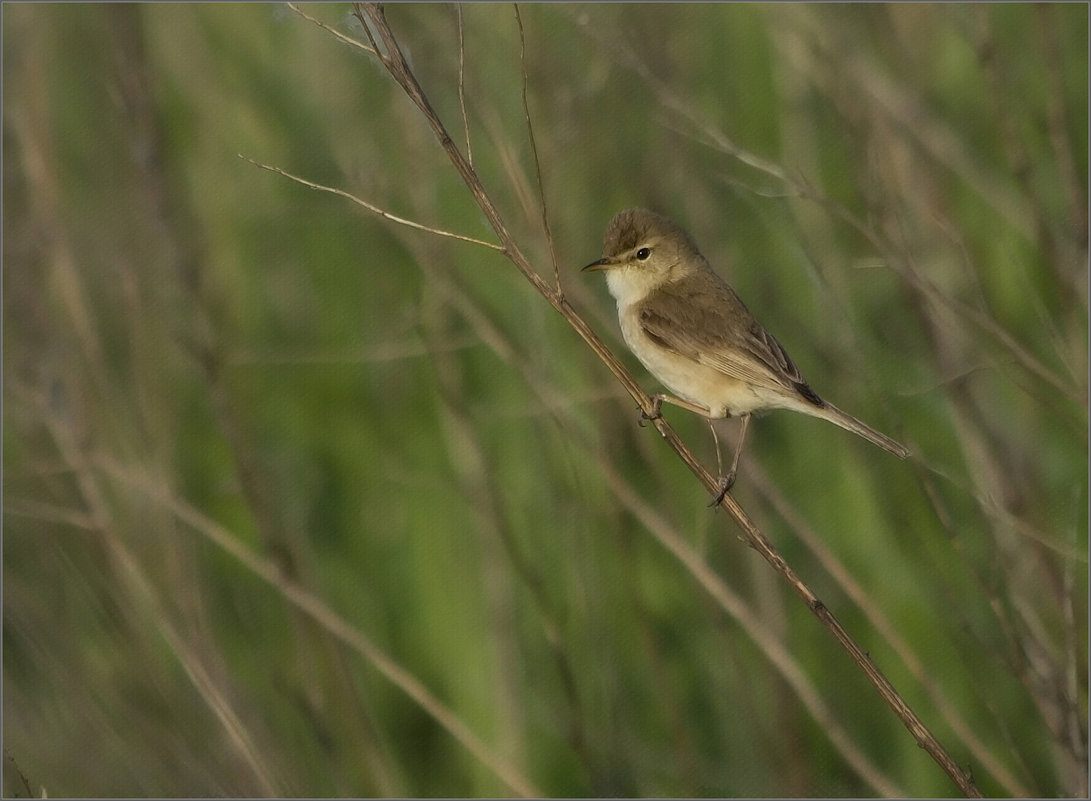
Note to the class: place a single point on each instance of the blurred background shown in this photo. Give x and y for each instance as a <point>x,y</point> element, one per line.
<point>300,501</point>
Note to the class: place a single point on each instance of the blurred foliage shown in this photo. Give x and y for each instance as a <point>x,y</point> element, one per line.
<point>402,429</point>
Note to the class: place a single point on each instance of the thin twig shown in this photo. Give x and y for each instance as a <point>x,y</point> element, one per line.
<point>534,151</point>
<point>462,83</point>
<point>371,207</point>
<point>336,33</point>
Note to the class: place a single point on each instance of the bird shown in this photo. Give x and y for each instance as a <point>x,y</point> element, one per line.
<point>692,332</point>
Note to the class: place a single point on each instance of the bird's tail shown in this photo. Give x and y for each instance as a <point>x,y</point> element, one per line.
<point>850,423</point>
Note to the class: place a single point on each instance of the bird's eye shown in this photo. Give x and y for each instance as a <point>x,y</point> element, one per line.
<point>643,253</point>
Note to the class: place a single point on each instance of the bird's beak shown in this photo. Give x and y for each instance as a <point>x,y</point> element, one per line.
<point>601,264</point>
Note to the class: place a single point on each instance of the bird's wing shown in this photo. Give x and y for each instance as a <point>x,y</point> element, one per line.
<point>710,324</point>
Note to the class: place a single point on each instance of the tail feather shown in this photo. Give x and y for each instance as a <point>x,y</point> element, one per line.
<point>850,423</point>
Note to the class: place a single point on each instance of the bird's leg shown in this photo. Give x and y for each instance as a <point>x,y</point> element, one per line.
<point>728,481</point>
<point>659,398</point>
<point>738,448</point>
<point>716,439</point>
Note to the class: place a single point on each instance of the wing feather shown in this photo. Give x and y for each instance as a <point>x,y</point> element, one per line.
<point>707,322</point>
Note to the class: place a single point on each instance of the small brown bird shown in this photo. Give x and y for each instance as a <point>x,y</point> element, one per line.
<point>689,328</point>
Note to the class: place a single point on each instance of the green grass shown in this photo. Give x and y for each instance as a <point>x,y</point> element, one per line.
<point>298,500</point>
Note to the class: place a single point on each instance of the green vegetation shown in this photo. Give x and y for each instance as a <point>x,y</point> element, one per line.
<point>299,500</point>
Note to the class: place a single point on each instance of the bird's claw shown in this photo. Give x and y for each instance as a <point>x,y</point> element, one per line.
<point>726,483</point>
<point>657,404</point>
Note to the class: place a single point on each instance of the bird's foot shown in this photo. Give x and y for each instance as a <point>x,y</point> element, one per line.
<point>726,483</point>
<point>657,405</point>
